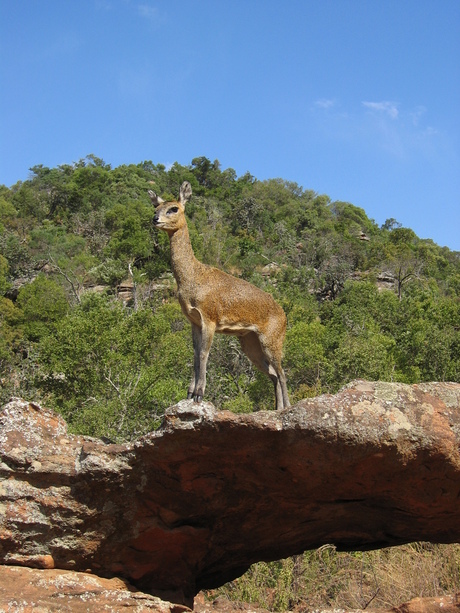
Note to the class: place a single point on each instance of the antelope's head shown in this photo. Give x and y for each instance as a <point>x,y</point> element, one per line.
<point>170,215</point>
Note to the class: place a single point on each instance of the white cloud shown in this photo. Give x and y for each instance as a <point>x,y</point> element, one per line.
<point>389,108</point>
<point>148,12</point>
<point>417,114</point>
<point>378,125</point>
<point>325,103</point>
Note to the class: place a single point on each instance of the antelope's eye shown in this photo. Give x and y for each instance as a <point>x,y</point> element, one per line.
<point>173,209</point>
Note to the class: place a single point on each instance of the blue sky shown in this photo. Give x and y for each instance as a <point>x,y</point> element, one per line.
<point>357,99</point>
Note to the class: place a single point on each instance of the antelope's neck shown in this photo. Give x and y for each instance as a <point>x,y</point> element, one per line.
<point>183,261</point>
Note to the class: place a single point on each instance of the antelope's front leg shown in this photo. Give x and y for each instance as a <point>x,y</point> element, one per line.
<point>202,341</point>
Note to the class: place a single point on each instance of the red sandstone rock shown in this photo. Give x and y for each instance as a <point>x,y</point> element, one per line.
<point>442,604</point>
<point>27,590</point>
<point>193,505</point>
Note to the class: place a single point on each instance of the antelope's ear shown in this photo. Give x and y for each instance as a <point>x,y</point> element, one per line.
<point>156,200</point>
<point>185,192</point>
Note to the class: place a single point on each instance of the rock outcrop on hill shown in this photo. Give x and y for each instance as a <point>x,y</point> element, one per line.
<point>192,505</point>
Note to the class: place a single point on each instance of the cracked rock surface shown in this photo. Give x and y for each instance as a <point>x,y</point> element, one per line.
<point>195,503</point>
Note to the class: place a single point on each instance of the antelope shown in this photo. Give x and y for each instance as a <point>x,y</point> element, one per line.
<point>214,301</point>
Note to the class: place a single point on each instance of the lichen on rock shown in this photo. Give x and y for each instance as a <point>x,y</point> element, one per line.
<point>195,503</point>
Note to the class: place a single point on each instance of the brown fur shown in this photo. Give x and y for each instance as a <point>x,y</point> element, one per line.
<point>214,301</point>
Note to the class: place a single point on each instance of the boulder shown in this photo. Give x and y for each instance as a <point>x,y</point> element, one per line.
<point>194,504</point>
<point>29,590</point>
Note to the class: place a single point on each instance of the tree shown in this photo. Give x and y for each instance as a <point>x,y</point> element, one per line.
<point>360,328</point>
<point>11,345</point>
<point>16,253</point>
<point>333,272</point>
<point>43,303</point>
<point>119,384</point>
<point>130,229</point>
<point>3,275</point>
<point>352,219</point>
<point>405,266</point>
<point>391,224</point>
<point>365,354</point>
<point>7,213</point>
<point>206,172</point>
<point>306,362</point>
<point>427,337</point>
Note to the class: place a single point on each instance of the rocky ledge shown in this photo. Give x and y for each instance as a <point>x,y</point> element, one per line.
<point>192,505</point>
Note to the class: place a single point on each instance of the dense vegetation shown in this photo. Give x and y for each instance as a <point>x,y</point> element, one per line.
<point>329,580</point>
<point>89,324</point>
<point>361,300</point>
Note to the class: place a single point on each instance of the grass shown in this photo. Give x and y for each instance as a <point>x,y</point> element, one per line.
<point>326,578</point>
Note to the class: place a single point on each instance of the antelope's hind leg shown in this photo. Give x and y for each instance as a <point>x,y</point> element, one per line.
<point>196,337</point>
<point>263,359</point>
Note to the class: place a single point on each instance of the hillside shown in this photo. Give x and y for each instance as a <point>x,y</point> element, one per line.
<point>89,321</point>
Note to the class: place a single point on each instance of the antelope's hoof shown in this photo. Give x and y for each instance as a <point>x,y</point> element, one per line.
<point>198,399</point>
<point>189,395</point>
